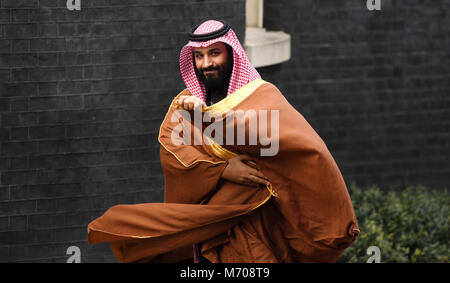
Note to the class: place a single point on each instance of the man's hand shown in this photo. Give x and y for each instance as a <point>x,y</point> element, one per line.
<point>239,172</point>
<point>190,102</point>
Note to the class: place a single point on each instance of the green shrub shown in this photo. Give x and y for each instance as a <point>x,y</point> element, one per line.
<point>408,226</point>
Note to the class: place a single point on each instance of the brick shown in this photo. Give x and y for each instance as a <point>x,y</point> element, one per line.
<point>20,4</point>
<point>18,223</point>
<point>52,102</point>
<point>47,132</point>
<point>46,205</point>
<point>47,88</point>
<point>127,171</point>
<point>18,207</point>
<point>19,163</point>
<point>5,15</point>
<point>49,3</point>
<point>74,58</point>
<point>47,74</point>
<point>47,59</point>
<point>5,46</point>
<point>47,45</point>
<point>18,75</point>
<point>74,73</point>
<point>4,223</point>
<point>48,161</point>
<point>99,44</point>
<point>71,235</point>
<point>79,219</point>
<point>4,104</point>
<point>20,31</point>
<point>91,188</point>
<point>20,45</point>
<point>47,30</point>
<point>84,29</point>
<point>42,15</point>
<point>18,60</point>
<point>19,133</point>
<point>65,15</point>
<point>67,29</point>
<point>74,87</point>
<point>19,15</point>
<point>18,119</point>
<point>4,164</point>
<point>97,72</point>
<point>4,196</point>
<point>122,56</point>
<point>77,44</point>
<point>36,191</point>
<point>17,238</point>
<point>93,144</point>
<point>81,203</point>
<point>18,148</point>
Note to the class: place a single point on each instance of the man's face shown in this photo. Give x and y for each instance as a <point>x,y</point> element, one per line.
<point>213,65</point>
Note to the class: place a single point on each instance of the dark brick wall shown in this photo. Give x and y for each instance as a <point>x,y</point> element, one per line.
<point>82,95</point>
<point>373,84</point>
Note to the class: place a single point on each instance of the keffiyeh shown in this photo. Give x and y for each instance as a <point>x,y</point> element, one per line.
<point>243,71</point>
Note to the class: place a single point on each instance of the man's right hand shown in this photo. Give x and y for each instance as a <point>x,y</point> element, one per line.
<point>239,172</point>
<point>191,102</point>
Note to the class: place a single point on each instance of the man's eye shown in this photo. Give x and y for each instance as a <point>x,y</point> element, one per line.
<point>215,53</point>
<point>198,56</point>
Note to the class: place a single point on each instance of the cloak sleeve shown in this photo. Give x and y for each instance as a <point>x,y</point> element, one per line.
<point>190,172</point>
<point>318,219</point>
<point>307,203</point>
<point>193,211</point>
<point>199,180</point>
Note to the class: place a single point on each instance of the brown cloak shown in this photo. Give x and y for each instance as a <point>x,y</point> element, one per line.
<point>306,215</point>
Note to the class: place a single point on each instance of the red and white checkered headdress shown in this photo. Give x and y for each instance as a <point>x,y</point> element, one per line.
<point>243,71</point>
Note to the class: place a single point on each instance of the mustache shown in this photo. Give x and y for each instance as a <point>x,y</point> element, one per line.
<point>209,69</point>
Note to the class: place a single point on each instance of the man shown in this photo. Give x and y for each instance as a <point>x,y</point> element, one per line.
<point>213,66</point>
<point>256,199</point>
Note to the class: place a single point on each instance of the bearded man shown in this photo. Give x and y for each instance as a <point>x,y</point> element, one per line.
<point>239,200</point>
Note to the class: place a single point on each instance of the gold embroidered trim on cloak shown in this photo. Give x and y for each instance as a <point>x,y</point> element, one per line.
<point>224,153</point>
<point>233,99</point>
<point>218,108</point>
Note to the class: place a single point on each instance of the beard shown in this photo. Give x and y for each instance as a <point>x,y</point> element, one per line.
<point>217,81</point>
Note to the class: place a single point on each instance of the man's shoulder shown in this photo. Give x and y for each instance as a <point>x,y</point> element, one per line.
<point>268,86</point>
<point>181,93</point>
<point>185,91</point>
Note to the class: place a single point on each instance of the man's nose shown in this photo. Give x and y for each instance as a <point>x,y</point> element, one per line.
<point>207,62</point>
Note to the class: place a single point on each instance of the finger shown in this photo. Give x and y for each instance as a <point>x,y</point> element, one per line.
<point>259,174</point>
<point>197,106</point>
<point>244,157</point>
<point>247,160</point>
<point>185,104</point>
<point>181,99</point>
<point>258,181</point>
<point>194,99</point>
<point>202,105</point>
